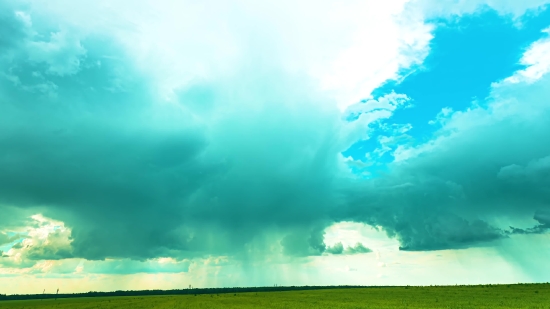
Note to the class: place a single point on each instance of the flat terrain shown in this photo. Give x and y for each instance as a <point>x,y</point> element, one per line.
<point>494,296</point>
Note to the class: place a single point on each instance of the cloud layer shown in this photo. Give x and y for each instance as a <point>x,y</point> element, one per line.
<point>144,142</point>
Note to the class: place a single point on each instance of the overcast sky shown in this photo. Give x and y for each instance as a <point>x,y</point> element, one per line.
<point>162,144</point>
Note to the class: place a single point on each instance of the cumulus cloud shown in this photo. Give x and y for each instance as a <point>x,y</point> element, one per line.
<point>484,163</point>
<point>44,239</point>
<point>536,59</point>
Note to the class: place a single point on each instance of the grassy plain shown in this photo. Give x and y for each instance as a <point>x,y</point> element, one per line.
<point>494,296</point>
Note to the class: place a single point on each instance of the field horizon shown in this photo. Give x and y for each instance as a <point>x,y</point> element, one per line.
<point>242,289</point>
<point>528,295</point>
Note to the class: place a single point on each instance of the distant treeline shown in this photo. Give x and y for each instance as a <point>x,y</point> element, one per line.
<point>175,292</point>
<point>195,291</point>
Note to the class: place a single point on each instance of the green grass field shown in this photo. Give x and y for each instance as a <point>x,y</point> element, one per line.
<point>495,296</point>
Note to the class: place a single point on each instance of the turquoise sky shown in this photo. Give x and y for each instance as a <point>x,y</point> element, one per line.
<point>162,144</point>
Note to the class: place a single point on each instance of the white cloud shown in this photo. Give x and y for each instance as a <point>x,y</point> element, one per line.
<point>537,61</point>
<point>44,239</point>
<point>389,102</point>
<point>368,112</point>
<point>433,8</point>
<point>521,96</point>
<point>348,48</point>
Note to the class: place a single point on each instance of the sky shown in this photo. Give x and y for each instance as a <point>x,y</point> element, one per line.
<point>162,144</point>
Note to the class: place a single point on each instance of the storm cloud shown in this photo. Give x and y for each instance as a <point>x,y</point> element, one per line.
<point>89,138</point>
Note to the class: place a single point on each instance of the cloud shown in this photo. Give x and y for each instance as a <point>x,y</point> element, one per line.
<point>536,60</point>
<point>147,141</point>
<point>534,172</point>
<point>62,53</point>
<point>485,165</point>
<point>358,248</point>
<point>142,141</point>
<point>543,217</point>
<point>289,36</point>
<point>338,248</point>
<point>505,7</point>
<point>5,238</point>
<point>304,243</point>
<point>14,28</point>
<point>45,239</point>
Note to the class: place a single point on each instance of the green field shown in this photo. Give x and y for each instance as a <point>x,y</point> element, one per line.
<point>494,296</point>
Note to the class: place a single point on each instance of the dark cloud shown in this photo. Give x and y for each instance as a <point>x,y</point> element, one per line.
<point>135,177</point>
<point>12,28</point>
<point>304,243</point>
<point>89,142</point>
<point>419,214</point>
<point>95,156</point>
<point>357,249</point>
<point>478,167</point>
<point>543,217</point>
<point>337,248</point>
<point>5,238</point>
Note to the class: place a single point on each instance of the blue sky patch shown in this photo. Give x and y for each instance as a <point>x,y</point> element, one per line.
<point>466,56</point>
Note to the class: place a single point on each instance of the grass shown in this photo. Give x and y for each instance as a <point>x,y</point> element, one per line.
<point>493,296</point>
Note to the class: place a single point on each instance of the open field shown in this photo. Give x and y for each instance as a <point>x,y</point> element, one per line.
<point>493,296</point>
